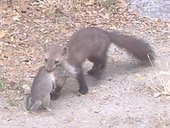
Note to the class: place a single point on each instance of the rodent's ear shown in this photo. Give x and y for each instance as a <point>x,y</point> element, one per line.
<point>64,50</point>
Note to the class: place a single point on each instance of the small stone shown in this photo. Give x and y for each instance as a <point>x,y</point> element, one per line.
<point>93,91</point>
<point>26,88</point>
<point>110,78</point>
<point>15,18</point>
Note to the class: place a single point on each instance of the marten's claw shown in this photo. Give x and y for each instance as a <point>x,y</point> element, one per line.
<point>91,72</point>
<point>54,96</point>
<point>84,90</point>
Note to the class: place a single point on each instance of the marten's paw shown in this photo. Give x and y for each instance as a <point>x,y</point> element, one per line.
<point>54,96</point>
<point>91,72</point>
<point>83,90</point>
<point>96,74</point>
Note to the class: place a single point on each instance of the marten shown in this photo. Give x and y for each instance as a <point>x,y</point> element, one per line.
<point>92,43</point>
<point>55,56</point>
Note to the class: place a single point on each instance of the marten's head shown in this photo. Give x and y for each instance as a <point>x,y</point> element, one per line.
<point>54,56</point>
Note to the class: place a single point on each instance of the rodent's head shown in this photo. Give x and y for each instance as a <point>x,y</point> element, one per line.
<point>54,56</point>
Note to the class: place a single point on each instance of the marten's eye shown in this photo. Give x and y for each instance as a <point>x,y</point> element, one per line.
<point>56,62</point>
<point>45,60</point>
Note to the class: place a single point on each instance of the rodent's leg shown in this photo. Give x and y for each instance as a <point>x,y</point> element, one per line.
<point>36,106</point>
<point>29,102</point>
<point>46,102</point>
<point>56,93</point>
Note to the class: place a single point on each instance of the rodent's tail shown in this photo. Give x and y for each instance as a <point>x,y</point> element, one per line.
<point>28,102</point>
<point>137,47</point>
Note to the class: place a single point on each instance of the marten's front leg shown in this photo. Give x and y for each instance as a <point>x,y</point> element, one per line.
<point>83,89</point>
<point>77,72</point>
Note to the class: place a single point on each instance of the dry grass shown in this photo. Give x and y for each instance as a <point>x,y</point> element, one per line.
<point>160,80</point>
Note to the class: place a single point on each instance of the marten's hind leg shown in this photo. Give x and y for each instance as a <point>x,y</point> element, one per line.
<point>98,65</point>
<point>94,69</point>
<point>103,62</point>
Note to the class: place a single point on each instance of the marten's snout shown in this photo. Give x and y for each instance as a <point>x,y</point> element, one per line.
<point>50,67</point>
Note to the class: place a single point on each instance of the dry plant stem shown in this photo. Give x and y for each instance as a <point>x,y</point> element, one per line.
<point>157,75</point>
<point>10,4</point>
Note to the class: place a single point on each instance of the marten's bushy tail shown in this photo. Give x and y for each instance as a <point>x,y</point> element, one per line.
<point>137,47</point>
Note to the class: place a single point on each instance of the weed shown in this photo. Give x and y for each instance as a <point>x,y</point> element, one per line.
<point>108,4</point>
<point>3,85</point>
<point>10,100</point>
<point>161,79</point>
<point>20,88</point>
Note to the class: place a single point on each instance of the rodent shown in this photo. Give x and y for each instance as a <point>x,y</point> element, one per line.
<point>43,85</point>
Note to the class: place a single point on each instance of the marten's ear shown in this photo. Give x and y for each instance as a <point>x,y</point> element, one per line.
<point>46,55</point>
<point>45,47</point>
<point>64,51</point>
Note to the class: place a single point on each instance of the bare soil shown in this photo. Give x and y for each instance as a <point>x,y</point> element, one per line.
<point>129,95</point>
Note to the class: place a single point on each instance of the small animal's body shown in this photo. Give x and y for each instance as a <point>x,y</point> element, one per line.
<point>46,86</point>
<point>92,43</point>
<point>43,85</point>
<point>61,76</point>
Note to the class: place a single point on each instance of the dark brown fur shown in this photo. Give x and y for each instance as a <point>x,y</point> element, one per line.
<point>92,43</point>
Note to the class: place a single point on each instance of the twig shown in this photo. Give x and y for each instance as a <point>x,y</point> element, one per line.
<point>10,4</point>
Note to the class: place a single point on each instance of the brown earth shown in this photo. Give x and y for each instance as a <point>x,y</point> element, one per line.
<point>128,95</point>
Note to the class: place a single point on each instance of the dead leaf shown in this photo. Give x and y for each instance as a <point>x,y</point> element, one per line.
<point>8,22</point>
<point>140,77</point>
<point>2,33</point>
<point>90,2</point>
<point>156,95</point>
<point>15,18</point>
<point>168,24</point>
<point>19,98</point>
<point>113,27</point>
<point>69,119</point>
<point>23,6</point>
<point>106,16</point>
<point>93,91</point>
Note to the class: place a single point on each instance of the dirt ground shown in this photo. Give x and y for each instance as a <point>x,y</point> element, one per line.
<point>129,95</point>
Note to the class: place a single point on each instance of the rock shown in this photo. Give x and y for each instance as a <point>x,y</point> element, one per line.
<point>26,88</point>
